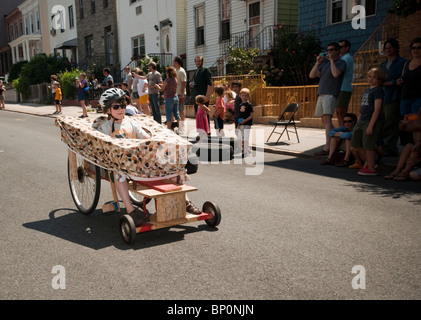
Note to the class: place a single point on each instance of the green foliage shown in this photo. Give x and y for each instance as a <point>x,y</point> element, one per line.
<point>38,70</point>
<point>68,82</point>
<point>241,60</point>
<point>294,54</point>
<point>404,8</point>
<point>16,70</point>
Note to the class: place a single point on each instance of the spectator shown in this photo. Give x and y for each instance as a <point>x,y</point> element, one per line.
<point>143,92</point>
<point>2,91</point>
<point>245,120</point>
<point>202,125</point>
<point>107,76</point>
<point>368,127</point>
<point>202,82</point>
<point>392,68</point>
<point>219,111</point>
<point>169,87</point>
<point>331,72</point>
<point>81,84</point>
<point>181,92</point>
<point>155,80</point>
<point>346,88</point>
<point>411,84</point>
<point>341,136</point>
<point>57,97</point>
<point>127,77</point>
<point>236,88</point>
<point>410,157</point>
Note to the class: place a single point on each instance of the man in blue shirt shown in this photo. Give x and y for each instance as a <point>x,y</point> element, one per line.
<point>392,68</point>
<point>346,89</point>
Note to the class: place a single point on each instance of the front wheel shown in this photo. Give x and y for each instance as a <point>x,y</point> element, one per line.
<point>127,229</point>
<point>212,208</point>
<point>86,187</point>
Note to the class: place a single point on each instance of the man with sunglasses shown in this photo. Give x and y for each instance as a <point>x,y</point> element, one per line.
<point>330,68</point>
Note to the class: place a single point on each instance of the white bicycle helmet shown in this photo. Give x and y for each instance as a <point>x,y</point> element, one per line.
<point>109,96</point>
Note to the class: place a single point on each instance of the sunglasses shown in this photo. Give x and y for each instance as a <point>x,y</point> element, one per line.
<point>348,121</point>
<point>118,106</point>
<point>416,48</point>
<point>331,50</point>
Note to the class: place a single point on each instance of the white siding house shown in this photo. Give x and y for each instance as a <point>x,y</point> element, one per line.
<point>214,24</point>
<point>151,27</point>
<point>63,28</point>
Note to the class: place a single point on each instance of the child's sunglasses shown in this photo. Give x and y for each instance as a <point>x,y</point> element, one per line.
<point>118,106</point>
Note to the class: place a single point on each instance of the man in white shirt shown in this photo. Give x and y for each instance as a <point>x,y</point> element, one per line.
<point>181,91</point>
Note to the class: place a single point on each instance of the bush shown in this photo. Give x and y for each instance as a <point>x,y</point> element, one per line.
<point>68,82</point>
<point>16,70</point>
<point>38,70</point>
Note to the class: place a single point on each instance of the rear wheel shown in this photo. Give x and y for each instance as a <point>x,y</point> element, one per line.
<point>212,208</point>
<point>86,189</point>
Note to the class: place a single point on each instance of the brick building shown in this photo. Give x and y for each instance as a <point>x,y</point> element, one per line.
<point>97,34</point>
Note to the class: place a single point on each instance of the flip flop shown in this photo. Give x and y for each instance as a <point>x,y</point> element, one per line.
<point>400,178</point>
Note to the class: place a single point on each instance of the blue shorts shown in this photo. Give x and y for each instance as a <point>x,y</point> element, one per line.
<point>81,96</point>
<point>410,106</point>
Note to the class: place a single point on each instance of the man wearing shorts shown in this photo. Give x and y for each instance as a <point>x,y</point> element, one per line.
<point>181,91</point>
<point>346,88</point>
<point>331,70</point>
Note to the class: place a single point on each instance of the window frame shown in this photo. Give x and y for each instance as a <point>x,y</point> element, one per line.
<point>138,48</point>
<point>199,30</point>
<point>225,24</point>
<point>346,7</point>
<point>71,17</point>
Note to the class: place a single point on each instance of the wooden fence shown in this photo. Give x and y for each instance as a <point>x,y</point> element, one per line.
<point>275,99</point>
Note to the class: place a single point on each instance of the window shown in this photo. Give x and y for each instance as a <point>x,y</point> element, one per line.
<point>26,26</point>
<point>93,6</point>
<point>105,4</point>
<point>225,19</point>
<point>132,1</point>
<point>21,28</point>
<point>32,23</point>
<point>11,34</point>
<point>200,25</point>
<point>81,13</point>
<point>71,18</point>
<point>89,45</point>
<point>341,10</point>
<point>38,21</point>
<point>138,46</point>
<point>16,30</point>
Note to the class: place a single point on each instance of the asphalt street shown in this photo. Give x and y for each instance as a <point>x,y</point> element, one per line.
<point>290,229</point>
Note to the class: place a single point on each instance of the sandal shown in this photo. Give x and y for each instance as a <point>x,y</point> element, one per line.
<point>400,178</point>
<point>356,166</point>
<point>390,176</point>
<point>326,162</point>
<point>191,208</point>
<point>342,163</point>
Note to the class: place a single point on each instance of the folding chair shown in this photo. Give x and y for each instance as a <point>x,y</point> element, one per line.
<point>283,122</point>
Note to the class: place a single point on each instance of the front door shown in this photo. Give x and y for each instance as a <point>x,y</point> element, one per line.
<point>165,38</point>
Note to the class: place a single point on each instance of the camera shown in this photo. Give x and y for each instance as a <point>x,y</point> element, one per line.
<point>323,54</point>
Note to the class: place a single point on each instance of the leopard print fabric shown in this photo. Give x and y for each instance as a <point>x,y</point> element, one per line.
<point>163,155</point>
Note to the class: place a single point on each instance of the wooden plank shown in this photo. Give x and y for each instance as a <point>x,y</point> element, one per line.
<point>72,166</point>
<point>171,207</point>
<point>151,193</point>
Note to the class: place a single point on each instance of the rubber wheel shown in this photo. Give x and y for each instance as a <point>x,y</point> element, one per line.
<point>127,229</point>
<point>86,190</point>
<point>210,207</point>
<point>192,164</point>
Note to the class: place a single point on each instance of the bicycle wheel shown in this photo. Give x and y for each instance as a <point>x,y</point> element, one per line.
<point>86,189</point>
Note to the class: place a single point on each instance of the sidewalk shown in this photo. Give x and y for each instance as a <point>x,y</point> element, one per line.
<point>311,139</point>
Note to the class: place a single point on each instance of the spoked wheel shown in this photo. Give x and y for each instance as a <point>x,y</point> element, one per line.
<point>86,187</point>
<point>127,229</point>
<point>137,199</point>
<point>212,208</point>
